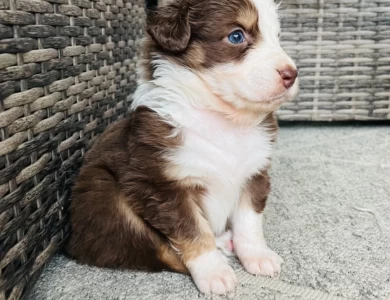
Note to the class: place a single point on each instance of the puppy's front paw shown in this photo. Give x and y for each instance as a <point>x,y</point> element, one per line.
<point>212,274</point>
<point>262,261</point>
<point>219,281</point>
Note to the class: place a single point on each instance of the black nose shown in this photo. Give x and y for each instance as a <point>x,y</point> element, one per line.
<point>288,75</point>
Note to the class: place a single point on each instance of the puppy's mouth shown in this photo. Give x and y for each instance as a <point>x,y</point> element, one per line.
<point>287,95</point>
<point>279,97</point>
<point>276,99</point>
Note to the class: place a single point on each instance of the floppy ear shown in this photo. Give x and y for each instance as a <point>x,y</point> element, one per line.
<point>169,27</point>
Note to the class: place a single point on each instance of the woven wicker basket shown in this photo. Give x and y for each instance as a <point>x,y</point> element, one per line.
<point>342,49</point>
<point>66,68</point>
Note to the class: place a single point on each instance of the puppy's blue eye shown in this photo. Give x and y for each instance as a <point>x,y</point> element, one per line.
<point>236,37</point>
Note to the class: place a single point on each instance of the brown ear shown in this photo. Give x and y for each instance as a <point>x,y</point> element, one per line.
<point>169,27</point>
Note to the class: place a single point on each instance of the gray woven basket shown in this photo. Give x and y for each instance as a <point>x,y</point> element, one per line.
<point>66,68</point>
<point>342,49</point>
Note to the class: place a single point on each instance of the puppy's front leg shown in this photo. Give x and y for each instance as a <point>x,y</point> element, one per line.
<point>183,223</point>
<point>248,238</point>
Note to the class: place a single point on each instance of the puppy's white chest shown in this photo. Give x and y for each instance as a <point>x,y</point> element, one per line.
<point>222,157</point>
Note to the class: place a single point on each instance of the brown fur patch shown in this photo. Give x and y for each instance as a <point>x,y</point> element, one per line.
<point>125,213</point>
<point>258,188</point>
<point>194,33</point>
<point>171,258</point>
<point>170,27</point>
<point>204,242</point>
<point>248,18</point>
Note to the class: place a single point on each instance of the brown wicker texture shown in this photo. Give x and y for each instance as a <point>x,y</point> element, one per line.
<point>342,49</point>
<point>66,69</point>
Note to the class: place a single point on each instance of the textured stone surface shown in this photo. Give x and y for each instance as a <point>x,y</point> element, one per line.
<point>320,175</point>
<point>16,17</point>
<point>16,45</point>
<point>18,72</point>
<point>7,60</point>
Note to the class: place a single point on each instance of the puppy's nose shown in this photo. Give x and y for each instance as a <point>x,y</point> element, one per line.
<point>288,75</point>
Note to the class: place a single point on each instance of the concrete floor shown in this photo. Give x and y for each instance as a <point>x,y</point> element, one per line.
<point>328,217</point>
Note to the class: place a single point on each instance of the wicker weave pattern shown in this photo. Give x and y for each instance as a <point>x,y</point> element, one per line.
<point>66,69</point>
<point>342,48</point>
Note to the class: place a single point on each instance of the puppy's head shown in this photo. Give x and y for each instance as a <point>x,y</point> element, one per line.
<point>232,45</point>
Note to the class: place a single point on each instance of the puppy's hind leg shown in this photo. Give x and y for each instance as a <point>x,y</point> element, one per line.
<point>179,218</point>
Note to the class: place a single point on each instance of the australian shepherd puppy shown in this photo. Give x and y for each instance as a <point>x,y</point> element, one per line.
<point>183,181</point>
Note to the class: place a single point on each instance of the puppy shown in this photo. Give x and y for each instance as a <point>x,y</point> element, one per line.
<point>186,172</point>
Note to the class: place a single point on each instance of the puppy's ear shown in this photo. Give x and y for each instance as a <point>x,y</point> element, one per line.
<point>169,27</point>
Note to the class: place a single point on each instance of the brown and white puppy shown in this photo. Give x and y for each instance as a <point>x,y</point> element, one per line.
<point>187,171</point>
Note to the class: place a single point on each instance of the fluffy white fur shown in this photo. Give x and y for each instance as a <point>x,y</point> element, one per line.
<point>250,245</point>
<point>222,146</point>
<point>211,273</point>
<point>221,155</point>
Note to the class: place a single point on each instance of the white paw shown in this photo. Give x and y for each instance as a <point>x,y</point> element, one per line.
<point>212,274</point>
<point>262,261</point>
<point>224,243</point>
